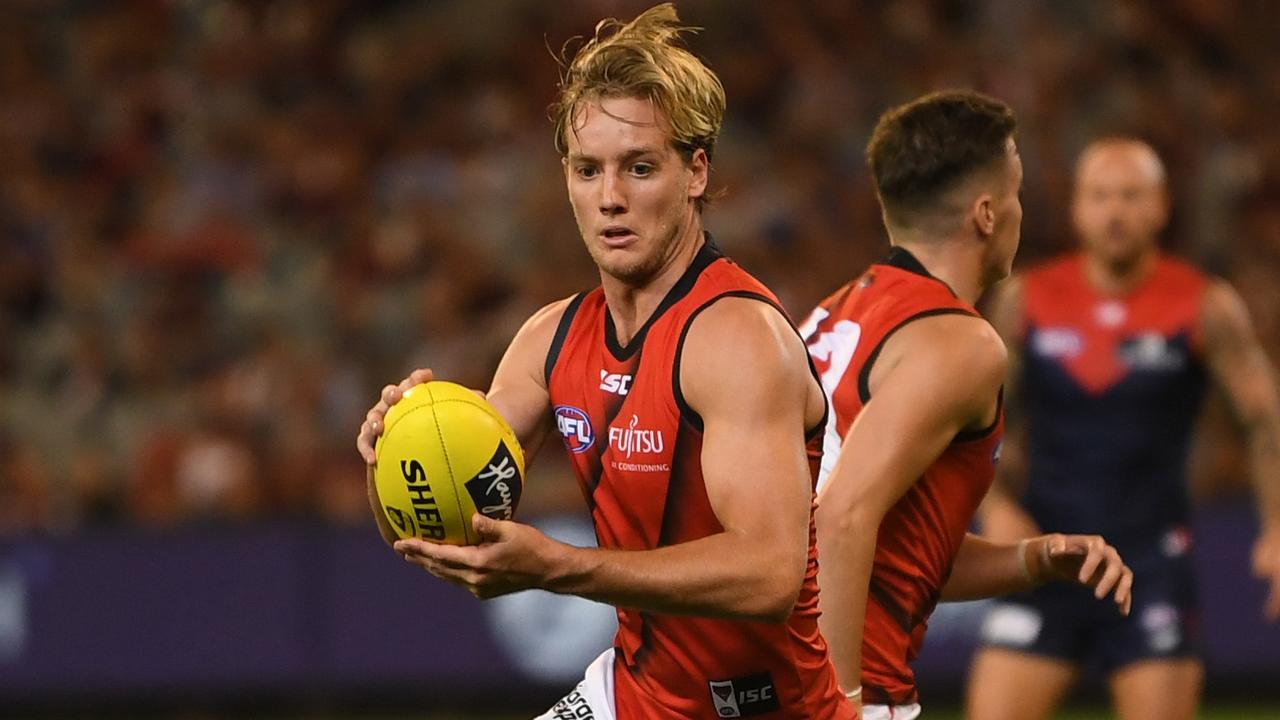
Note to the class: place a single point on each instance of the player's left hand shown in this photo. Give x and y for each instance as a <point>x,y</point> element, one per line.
<point>1266,565</point>
<point>1090,561</point>
<point>511,557</point>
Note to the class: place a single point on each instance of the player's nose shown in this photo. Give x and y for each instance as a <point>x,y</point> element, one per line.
<point>612,195</point>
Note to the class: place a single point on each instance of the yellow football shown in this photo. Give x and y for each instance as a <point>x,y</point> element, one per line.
<point>446,454</point>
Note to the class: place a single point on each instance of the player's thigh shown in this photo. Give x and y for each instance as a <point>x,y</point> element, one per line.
<point>1157,689</point>
<point>1011,685</point>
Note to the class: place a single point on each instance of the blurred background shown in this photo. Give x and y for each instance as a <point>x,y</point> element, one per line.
<point>225,225</point>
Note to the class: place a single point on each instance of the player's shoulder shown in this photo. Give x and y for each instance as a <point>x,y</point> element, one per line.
<point>539,331</point>
<point>1223,310</point>
<point>1178,274</point>
<point>956,352</point>
<point>951,344</point>
<point>738,339</point>
<point>957,338</point>
<point>737,320</point>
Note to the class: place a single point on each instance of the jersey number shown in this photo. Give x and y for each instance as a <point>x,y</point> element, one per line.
<point>832,351</point>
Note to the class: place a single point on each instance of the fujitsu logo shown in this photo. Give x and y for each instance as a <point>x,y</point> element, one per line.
<point>616,383</point>
<point>631,439</point>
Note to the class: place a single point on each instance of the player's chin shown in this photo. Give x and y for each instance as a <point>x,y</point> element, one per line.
<point>625,266</point>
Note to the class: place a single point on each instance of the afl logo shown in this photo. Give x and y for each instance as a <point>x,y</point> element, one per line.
<point>575,428</point>
<point>997,452</point>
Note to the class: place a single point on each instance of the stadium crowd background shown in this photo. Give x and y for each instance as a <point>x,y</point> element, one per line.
<point>224,225</point>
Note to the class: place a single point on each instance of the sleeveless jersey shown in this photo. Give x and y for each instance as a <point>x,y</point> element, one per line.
<point>636,447</point>
<point>1112,387</point>
<point>921,533</point>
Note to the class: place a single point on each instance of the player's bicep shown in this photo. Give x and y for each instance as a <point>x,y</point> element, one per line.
<point>519,389</point>
<point>745,373</point>
<point>1235,357</point>
<point>945,377</point>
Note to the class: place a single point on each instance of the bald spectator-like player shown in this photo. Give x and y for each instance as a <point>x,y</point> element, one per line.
<point>1111,350</point>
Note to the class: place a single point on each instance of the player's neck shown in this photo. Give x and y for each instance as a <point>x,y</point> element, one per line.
<point>1118,278</point>
<point>951,263</point>
<point>631,305</point>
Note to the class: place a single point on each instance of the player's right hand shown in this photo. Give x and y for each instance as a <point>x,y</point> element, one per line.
<point>1090,561</point>
<point>372,426</point>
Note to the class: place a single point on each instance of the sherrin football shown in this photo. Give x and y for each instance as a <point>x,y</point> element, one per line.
<point>445,454</point>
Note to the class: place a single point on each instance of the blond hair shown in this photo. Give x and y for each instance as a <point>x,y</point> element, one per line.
<point>643,59</point>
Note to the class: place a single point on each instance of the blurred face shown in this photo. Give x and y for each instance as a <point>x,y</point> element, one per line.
<point>1007,212</point>
<point>1120,205</point>
<point>633,195</point>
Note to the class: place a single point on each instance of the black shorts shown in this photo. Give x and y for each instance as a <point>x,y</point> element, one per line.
<point>1063,620</point>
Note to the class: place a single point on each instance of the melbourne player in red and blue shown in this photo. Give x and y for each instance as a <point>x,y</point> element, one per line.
<point>1117,344</point>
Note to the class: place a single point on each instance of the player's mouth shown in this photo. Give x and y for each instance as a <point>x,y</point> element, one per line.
<point>617,236</point>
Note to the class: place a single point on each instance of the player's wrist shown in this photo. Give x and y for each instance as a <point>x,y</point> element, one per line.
<point>1034,561</point>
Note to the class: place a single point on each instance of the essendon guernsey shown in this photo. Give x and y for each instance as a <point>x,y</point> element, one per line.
<point>921,533</point>
<point>636,449</point>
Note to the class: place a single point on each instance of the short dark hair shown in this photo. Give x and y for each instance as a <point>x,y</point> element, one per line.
<point>921,150</point>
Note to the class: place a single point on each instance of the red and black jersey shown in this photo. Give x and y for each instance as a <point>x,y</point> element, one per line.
<point>636,448</point>
<point>920,535</point>
<point>1111,387</point>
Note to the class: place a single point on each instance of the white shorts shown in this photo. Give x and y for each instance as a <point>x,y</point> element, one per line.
<point>891,712</point>
<point>592,699</point>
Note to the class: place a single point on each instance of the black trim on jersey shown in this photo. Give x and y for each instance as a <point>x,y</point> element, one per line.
<point>885,600</point>
<point>982,433</point>
<point>688,413</point>
<point>901,258</point>
<point>562,332</point>
<point>864,377</point>
<point>707,254</point>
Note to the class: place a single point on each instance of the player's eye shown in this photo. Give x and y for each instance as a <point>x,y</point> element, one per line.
<point>642,169</point>
<point>586,172</point>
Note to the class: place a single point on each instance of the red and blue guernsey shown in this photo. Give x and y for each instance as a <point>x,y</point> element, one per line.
<point>636,448</point>
<point>1112,386</point>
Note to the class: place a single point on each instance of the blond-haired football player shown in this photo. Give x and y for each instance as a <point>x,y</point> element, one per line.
<point>685,401</point>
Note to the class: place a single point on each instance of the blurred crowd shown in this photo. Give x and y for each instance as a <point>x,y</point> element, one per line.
<point>225,225</point>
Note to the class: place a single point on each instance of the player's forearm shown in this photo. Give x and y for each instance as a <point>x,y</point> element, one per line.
<point>723,575</point>
<point>985,568</point>
<point>846,554</point>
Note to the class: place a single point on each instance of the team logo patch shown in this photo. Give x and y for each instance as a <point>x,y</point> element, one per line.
<point>496,489</point>
<point>575,428</point>
<point>1163,626</point>
<point>744,696</point>
<point>1110,314</point>
<point>1057,342</point>
<point>1152,351</point>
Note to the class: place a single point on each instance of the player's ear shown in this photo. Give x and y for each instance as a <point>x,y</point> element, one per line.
<point>700,167</point>
<point>983,214</point>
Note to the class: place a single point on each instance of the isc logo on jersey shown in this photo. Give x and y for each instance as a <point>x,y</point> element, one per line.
<point>616,383</point>
<point>744,697</point>
<point>575,428</point>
